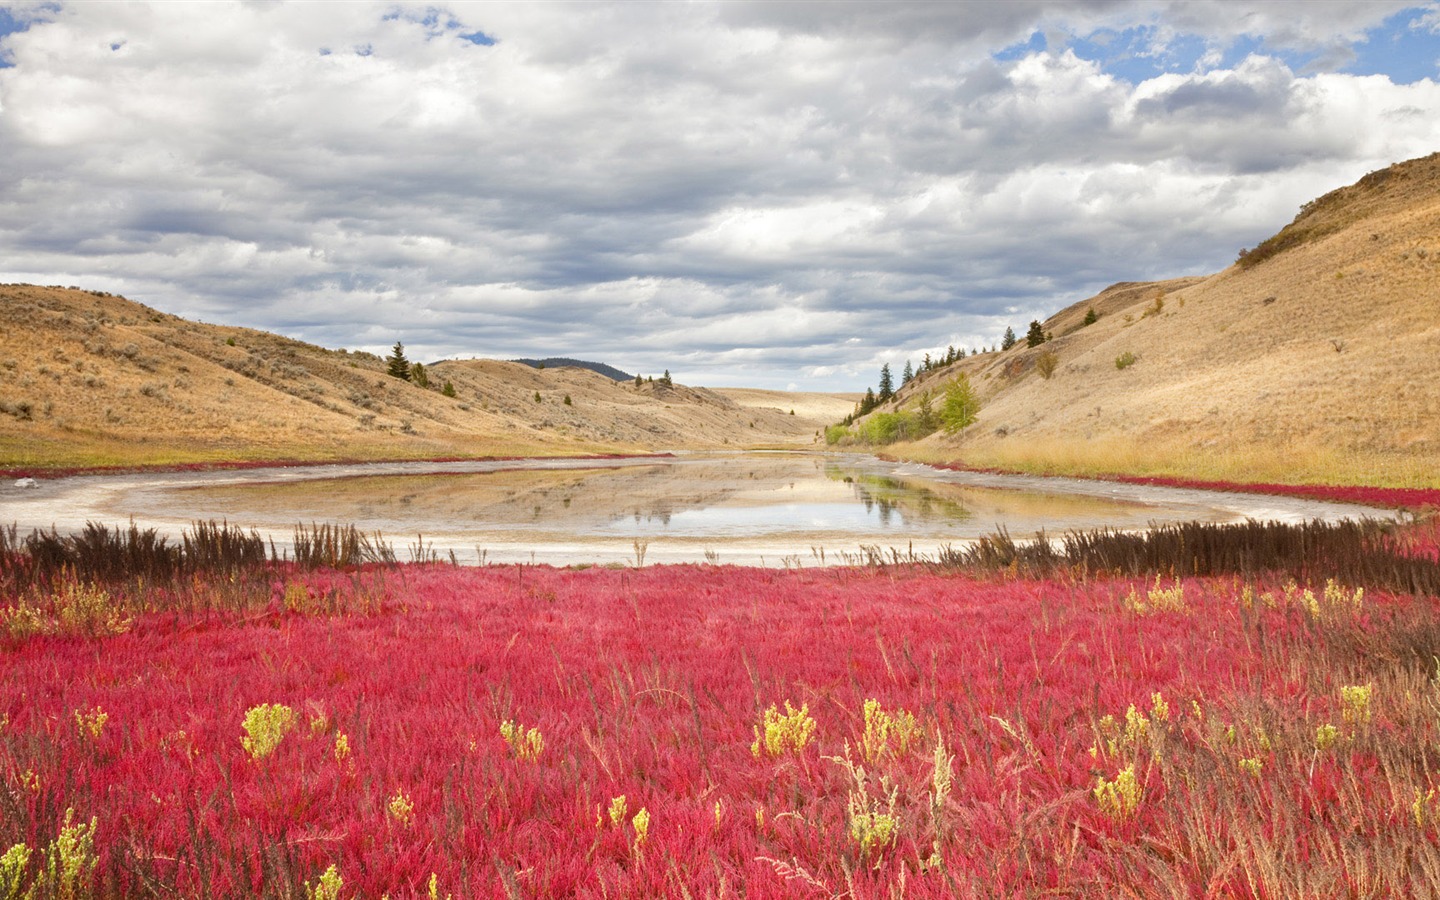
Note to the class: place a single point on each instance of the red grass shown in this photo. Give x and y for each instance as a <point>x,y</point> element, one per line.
<point>1417,499</point>
<point>649,683</point>
<point>1395,498</point>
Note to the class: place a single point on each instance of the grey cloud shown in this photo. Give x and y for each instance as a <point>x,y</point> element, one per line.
<point>744,188</point>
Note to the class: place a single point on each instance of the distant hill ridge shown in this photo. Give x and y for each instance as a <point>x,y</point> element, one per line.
<point>556,362</point>
<point>88,378</point>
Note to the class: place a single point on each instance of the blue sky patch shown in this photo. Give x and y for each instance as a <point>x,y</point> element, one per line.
<point>438,22</point>
<point>9,25</point>
<point>1036,44</point>
<point>1406,48</point>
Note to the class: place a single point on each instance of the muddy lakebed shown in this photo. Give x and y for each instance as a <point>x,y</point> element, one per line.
<point>771,508</point>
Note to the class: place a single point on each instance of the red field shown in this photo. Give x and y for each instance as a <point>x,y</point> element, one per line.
<point>1100,737</point>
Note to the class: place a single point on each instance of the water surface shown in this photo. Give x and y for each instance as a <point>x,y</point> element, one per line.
<point>753,508</point>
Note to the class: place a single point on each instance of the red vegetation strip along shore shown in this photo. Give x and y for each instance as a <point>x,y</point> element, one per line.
<point>522,731</point>
<point>1417,499</point>
<point>1394,498</point>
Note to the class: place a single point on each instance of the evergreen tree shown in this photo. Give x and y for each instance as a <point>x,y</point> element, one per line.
<point>1008,340</point>
<point>869,403</point>
<point>928,364</point>
<point>1090,317</point>
<point>396,365</point>
<point>928,420</point>
<point>1036,335</point>
<point>950,354</point>
<point>907,375</point>
<point>887,384</point>
<point>449,389</point>
<point>638,380</point>
<point>665,379</point>
<point>418,376</point>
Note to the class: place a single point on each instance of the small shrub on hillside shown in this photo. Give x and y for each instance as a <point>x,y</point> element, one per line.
<point>1155,308</point>
<point>1045,364</point>
<point>418,376</point>
<point>886,428</point>
<point>1091,317</point>
<point>1036,335</point>
<point>449,389</point>
<point>23,410</point>
<point>1125,360</point>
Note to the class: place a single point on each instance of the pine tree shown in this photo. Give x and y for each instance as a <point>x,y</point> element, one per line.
<point>1090,317</point>
<point>449,389</point>
<point>665,379</point>
<point>907,375</point>
<point>396,365</point>
<point>869,403</point>
<point>1008,340</point>
<point>887,384</point>
<point>928,420</point>
<point>418,376</point>
<point>1036,335</point>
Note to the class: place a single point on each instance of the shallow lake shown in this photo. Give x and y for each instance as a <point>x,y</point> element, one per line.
<point>746,508</point>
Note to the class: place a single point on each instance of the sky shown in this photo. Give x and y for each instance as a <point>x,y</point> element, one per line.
<point>767,194</point>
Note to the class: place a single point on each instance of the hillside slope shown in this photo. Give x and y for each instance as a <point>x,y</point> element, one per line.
<point>87,378</point>
<point>1315,358</point>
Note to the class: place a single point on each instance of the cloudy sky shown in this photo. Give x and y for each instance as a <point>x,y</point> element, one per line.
<point>746,193</point>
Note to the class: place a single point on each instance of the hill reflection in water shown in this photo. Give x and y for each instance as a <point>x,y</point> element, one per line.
<point>739,507</point>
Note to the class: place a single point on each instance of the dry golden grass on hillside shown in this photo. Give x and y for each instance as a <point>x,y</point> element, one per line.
<point>92,379</point>
<point>1318,364</point>
<point>824,408</point>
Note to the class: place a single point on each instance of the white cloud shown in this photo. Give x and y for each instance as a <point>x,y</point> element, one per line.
<point>767,192</point>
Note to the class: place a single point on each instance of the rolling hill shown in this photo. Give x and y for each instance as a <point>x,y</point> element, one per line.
<point>87,378</point>
<point>1316,357</point>
<point>553,362</point>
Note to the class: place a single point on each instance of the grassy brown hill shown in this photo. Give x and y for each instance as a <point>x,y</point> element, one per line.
<point>1316,358</point>
<point>87,378</point>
